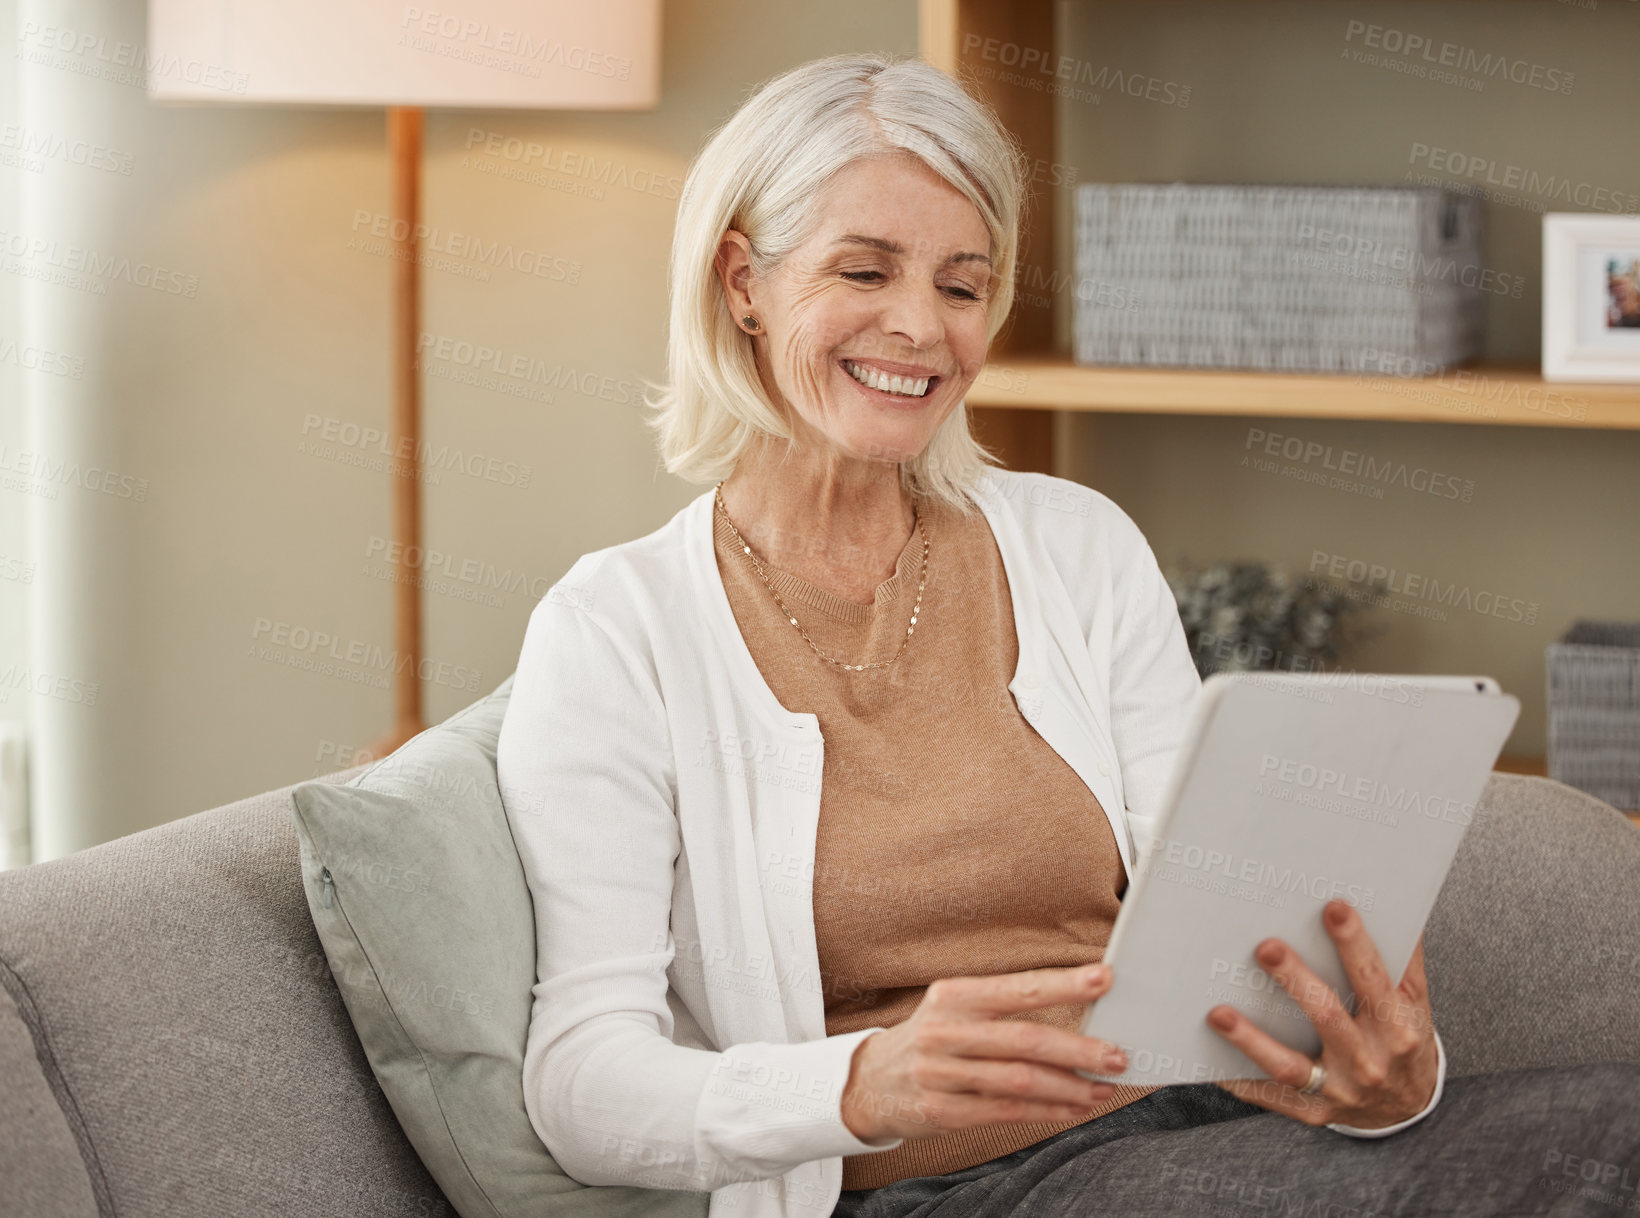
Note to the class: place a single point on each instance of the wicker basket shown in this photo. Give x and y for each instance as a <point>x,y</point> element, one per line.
<point>1594,711</point>
<point>1383,281</point>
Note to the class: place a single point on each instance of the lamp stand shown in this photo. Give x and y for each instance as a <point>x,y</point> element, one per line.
<point>404,139</point>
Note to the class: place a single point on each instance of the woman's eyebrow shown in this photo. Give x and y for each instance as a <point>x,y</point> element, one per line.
<point>894,247</point>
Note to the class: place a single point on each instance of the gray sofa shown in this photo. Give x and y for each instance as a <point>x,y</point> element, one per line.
<point>172,1043</point>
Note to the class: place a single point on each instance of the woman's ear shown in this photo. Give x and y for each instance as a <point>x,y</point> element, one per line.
<point>734,268</point>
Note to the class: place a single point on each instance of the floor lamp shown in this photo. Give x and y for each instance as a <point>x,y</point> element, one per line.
<point>492,54</point>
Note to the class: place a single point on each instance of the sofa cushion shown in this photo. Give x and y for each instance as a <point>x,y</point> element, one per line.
<point>182,1003</point>
<point>1533,947</point>
<point>419,896</point>
<point>44,1173</point>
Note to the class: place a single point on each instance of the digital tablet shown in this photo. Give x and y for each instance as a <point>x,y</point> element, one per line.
<point>1289,789</point>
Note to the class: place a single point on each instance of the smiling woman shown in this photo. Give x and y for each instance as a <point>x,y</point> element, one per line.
<point>868,335</point>
<point>862,217</point>
<point>891,270</point>
<point>832,785</point>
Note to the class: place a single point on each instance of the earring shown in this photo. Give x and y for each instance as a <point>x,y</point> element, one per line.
<point>749,322</point>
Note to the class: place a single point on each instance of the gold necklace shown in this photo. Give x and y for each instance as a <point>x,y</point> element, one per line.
<point>922,580</point>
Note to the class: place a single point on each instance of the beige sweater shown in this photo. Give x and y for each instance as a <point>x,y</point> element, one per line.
<point>953,841</point>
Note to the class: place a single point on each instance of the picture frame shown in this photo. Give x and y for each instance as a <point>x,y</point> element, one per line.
<point>1591,297</point>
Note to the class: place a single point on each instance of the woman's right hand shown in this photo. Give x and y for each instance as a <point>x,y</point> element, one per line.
<point>955,1064</point>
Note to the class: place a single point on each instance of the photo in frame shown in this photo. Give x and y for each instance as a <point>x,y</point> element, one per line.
<point>1591,297</point>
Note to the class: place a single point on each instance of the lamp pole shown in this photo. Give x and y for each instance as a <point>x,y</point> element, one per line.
<point>404,137</point>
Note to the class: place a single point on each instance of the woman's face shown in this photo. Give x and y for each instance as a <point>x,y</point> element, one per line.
<point>874,329</point>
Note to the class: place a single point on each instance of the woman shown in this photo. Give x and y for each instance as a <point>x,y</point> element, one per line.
<point>828,790</point>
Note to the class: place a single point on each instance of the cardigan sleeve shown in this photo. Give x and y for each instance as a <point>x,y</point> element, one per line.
<point>585,766</point>
<point>1435,1098</point>
<point>1153,681</point>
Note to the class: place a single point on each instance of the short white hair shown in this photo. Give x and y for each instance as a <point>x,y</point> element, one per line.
<point>760,173</point>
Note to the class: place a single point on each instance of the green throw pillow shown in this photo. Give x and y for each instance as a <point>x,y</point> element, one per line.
<point>419,898</point>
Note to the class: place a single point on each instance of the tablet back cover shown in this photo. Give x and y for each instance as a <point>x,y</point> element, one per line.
<point>1299,792</point>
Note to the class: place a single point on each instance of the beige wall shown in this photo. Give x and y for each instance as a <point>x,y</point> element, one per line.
<point>207,399</point>
<point>1275,96</point>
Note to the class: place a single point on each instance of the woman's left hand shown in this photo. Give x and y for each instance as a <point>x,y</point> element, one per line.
<point>1381,1062</point>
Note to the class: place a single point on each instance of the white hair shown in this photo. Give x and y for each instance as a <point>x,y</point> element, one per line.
<point>761,173</point>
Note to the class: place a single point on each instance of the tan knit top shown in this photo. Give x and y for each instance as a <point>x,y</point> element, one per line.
<point>953,841</point>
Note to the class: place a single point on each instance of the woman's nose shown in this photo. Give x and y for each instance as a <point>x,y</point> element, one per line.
<point>914,312</point>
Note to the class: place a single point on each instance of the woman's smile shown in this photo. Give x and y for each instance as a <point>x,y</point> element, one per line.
<point>891,387</point>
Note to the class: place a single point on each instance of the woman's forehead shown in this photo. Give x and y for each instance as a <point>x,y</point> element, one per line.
<point>899,209</point>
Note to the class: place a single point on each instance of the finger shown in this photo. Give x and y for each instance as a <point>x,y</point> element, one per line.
<point>1414,984</point>
<point>1288,1068</point>
<point>1318,1000</point>
<point>1027,1040</point>
<point>1403,1022</point>
<point>1357,953</point>
<point>1397,1017</point>
<point>1012,992</point>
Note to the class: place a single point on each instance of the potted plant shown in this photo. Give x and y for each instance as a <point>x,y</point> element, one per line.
<point>1242,616</point>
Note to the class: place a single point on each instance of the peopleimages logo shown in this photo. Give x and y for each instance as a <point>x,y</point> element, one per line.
<point>42,475</point>
<point>1170,853</point>
<point>320,651</point>
<point>1321,683</point>
<point>1055,495</point>
<point>478,572</point>
<point>479,359</point>
<point>17,570</point>
<point>537,52</point>
<point>30,141</point>
<point>1358,464</point>
<point>38,359</point>
<point>1422,268</point>
<point>89,269</point>
<point>1061,75</point>
<point>493,254</point>
<point>47,685</point>
<point>574,163</point>
<point>1488,171</point>
<point>328,436</point>
<point>1442,54</point>
<point>126,63</point>
<point>1326,780</point>
<point>1390,583</point>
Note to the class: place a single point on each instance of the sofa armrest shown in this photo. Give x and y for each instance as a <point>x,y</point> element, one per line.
<point>1533,947</point>
<point>45,1170</point>
<point>191,1033</point>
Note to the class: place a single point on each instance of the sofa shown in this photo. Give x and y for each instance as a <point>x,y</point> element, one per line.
<point>173,1044</point>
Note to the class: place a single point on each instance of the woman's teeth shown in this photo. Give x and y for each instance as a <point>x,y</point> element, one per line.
<point>905,386</point>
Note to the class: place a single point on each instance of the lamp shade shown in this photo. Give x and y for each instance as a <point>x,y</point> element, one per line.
<point>490,54</point>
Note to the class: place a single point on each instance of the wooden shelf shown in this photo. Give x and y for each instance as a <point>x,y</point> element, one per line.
<point>1021,385</point>
<point>1485,393</point>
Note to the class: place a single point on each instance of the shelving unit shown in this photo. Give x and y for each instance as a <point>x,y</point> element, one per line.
<point>1026,381</point>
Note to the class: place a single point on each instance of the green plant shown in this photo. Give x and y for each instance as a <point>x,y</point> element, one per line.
<point>1242,616</point>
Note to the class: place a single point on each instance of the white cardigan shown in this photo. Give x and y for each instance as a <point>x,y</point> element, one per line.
<point>664,805</point>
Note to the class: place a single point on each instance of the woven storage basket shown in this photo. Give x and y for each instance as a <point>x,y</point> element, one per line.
<point>1386,281</point>
<point>1594,711</point>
